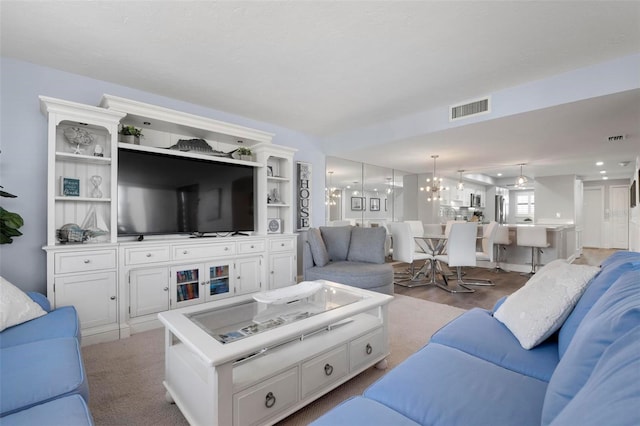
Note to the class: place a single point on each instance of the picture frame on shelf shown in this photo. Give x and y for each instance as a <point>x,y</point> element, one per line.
<point>357,203</point>
<point>374,204</point>
<point>269,171</point>
<point>69,186</point>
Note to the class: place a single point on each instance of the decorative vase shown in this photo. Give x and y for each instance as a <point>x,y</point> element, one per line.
<point>246,157</point>
<point>129,139</point>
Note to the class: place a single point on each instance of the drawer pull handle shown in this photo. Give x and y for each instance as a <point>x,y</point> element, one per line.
<point>252,246</point>
<point>328,369</point>
<point>166,289</point>
<point>148,254</point>
<point>270,400</point>
<point>226,249</point>
<point>281,244</point>
<point>112,298</point>
<point>185,252</point>
<point>87,261</point>
<point>368,349</point>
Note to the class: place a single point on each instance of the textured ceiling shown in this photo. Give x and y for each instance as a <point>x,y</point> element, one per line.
<point>320,67</point>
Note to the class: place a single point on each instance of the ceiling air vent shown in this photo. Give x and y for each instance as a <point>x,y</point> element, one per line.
<point>480,106</point>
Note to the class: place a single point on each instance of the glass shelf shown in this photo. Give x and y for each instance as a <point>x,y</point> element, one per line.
<point>83,158</point>
<point>84,199</point>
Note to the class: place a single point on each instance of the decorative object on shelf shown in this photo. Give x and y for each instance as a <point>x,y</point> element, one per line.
<point>269,171</point>
<point>77,136</point>
<point>374,204</point>
<point>357,203</point>
<point>69,187</point>
<point>284,295</point>
<point>274,197</point>
<point>130,134</point>
<point>244,153</point>
<point>98,151</point>
<point>303,212</point>
<point>9,222</point>
<point>274,226</point>
<point>71,233</point>
<point>436,187</point>
<point>522,179</point>
<point>94,227</point>
<point>96,181</point>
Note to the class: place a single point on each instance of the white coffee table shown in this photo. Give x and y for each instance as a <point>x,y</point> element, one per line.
<point>241,362</point>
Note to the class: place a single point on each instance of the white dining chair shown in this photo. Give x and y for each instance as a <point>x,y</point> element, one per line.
<point>403,250</point>
<point>417,230</point>
<point>461,251</point>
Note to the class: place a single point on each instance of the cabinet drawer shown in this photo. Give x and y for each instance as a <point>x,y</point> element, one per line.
<point>266,399</point>
<point>282,244</point>
<point>141,255</point>
<point>245,247</point>
<point>82,261</point>
<point>324,369</point>
<point>203,251</point>
<point>366,348</point>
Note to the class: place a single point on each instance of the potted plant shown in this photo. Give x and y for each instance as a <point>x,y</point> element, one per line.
<point>244,153</point>
<point>9,222</point>
<point>130,134</point>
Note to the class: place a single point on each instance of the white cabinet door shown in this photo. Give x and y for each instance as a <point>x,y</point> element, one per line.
<point>187,285</point>
<point>248,275</point>
<point>282,270</point>
<point>148,291</point>
<point>93,295</point>
<point>218,281</point>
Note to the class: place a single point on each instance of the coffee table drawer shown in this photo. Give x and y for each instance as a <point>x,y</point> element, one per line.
<point>324,369</point>
<point>265,399</point>
<point>366,348</point>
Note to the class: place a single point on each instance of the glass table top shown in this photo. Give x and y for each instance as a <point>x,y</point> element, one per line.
<point>245,319</point>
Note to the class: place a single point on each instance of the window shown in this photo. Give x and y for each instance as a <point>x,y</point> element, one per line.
<point>525,205</point>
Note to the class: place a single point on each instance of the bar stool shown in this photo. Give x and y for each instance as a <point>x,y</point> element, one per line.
<point>500,240</point>
<point>534,237</point>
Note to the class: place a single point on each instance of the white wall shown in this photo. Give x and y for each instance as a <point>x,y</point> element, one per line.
<point>555,199</point>
<point>634,213</point>
<point>23,162</point>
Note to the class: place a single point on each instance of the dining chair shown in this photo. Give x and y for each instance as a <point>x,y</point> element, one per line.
<point>433,229</point>
<point>403,250</point>
<point>461,251</point>
<point>417,230</point>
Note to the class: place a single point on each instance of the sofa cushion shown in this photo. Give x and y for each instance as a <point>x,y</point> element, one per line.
<point>15,306</point>
<point>613,267</point>
<point>362,411</point>
<point>477,333</point>
<point>336,239</point>
<point>367,245</point>
<point>357,274</point>
<point>28,381</point>
<point>538,309</point>
<point>61,322</point>
<point>439,385</point>
<point>611,395</point>
<point>318,248</point>
<point>40,299</point>
<point>69,411</point>
<point>612,316</point>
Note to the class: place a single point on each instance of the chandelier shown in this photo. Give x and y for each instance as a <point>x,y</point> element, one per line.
<point>435,186</point>
<point>522,179</point>
<point>331,193</point>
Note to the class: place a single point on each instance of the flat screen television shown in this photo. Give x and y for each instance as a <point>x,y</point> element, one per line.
<point>167,194</point>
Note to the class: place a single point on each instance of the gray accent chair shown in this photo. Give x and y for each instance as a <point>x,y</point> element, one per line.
<point>348,255</point>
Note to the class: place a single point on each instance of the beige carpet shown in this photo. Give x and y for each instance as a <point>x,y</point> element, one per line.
<point>125,377</point>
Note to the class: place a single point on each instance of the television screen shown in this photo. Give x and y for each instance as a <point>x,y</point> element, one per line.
<point>166,194</point>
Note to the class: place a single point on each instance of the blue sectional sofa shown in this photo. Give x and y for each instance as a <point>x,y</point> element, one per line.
<point>43,381</point>
<point>475,372</point>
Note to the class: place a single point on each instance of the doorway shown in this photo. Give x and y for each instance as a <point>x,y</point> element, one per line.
<point>593,213</point>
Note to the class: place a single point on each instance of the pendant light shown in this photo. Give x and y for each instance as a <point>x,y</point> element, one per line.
<point>460,185</point>
<point>436,185</point>
<point>522,179</point>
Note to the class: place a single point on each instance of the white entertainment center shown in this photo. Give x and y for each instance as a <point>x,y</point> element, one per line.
<point>119,284</point>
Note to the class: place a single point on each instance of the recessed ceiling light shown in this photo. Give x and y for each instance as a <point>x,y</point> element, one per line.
<point>499,174</point>
<point>605,177</point>
<point>603,172</point>
<point>599,163</point>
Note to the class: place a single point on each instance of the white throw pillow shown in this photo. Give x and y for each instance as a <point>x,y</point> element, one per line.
<point>540,307</point>
<point>15,306</point>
